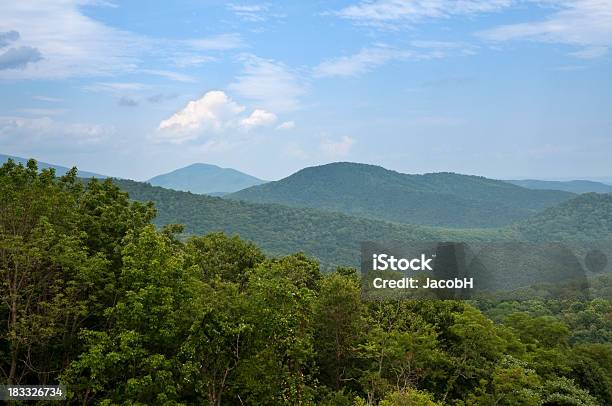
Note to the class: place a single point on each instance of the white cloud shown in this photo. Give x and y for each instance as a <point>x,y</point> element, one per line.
<point>56,40</point>
<point>392,12</point>
<point>270,84</point>
<point>250,12</point>
<point>48,99</point>
<point>48,133</point>
<point>337,148</point>
<point>221,42</point>
<point>258,118</point>
<point>70,43</point>
<point>43,112</point>
<point>583,23</point>
<point>364,61</point>
<point>287,125</point>
<point>367,59</point>
<point>213,113</point>
<point>116,87</point>
<point>179,77</point>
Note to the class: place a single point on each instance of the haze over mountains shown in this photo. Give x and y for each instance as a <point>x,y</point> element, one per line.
<point>574,186</point>
<point>435,199</point>
<point>59,170</point>
<point>334,237</point>
<point>205,179</point>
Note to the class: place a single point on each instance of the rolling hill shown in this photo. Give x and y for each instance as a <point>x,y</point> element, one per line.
<point>574,186</point>
<point>435,199</point>
<point>586,217</point>
<point>205,179</point>
<point>59,170</point>
<point>333,238</point>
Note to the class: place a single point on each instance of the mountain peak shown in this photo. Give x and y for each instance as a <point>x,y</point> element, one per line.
<point>205,178</point>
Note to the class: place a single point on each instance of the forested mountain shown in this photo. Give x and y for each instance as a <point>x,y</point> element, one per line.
<point>59,170</point>
<point>95,298</point>
<point>574,186</point>
<point>435,199</point>
<point>588,216</point>
<point>205,178</point>
<point>333,238</point>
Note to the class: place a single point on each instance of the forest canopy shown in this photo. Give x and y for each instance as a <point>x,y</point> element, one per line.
<point>95,297</point>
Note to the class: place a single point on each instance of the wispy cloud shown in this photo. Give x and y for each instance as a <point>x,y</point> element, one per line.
<point>287,125</point>
<point>176,76</point>
<point>392,12</point>
<point>76,45</point>
<point>583,23</point>
<point>337,147</point>
<point>269,84</point>
<point>116,87</point>
<point>367,59</point>
<point>48,99</point>
<point>46,132</point>
<point>250,12</point>
<point>219,42</point>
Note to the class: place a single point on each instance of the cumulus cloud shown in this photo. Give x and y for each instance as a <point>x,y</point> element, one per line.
<point>258,118</point>
<point>270,84</point>
<point>18,58</point>
<point>213,113</point>
<point>337,148</point>
<point>583,23</point>
<point>287,125</point>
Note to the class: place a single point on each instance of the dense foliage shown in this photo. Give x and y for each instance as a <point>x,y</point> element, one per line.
<point>95,297</point>
<point>588,216</point>
<point>333,238</point>
<point>434,199</point>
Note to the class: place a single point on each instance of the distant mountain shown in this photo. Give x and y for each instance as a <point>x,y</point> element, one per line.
<point>586,217</point>
<point>434,199</point>
<point>574,186</point>
<point>205,179</point>
<point>334,238</point>
<point>59,170</point>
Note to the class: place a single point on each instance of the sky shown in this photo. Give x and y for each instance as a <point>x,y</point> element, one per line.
<point>500,88</point>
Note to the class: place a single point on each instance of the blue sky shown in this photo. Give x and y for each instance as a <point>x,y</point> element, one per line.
<point>499,88</point>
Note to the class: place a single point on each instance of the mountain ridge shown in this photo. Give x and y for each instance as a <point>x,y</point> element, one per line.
<point>574,186</point>
<point>204,178</point>
<point>59,170</point>
<point>435,199</point>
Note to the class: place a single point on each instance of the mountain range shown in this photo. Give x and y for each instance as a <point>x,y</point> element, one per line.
<point>59,170</point>
<point>574,186</point>
<point>334,237</point>
<point>205,179</point>
<point>433,199</point>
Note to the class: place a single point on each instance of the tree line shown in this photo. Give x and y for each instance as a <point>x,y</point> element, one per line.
<point>97,298</point>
